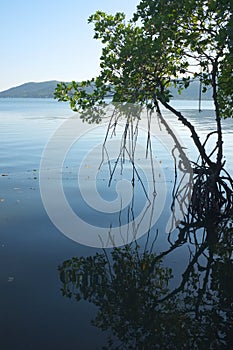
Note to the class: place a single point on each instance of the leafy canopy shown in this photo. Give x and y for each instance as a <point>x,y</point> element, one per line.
<point>165,43</point>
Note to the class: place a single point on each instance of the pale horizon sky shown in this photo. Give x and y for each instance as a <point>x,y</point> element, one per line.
<point>45,40</point>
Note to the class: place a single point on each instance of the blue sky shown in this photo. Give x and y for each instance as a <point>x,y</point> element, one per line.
<point>50,39</point>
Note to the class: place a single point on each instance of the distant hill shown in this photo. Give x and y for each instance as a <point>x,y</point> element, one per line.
<point>192,92</point>
<point>40,90</point>
<point>46,90</point>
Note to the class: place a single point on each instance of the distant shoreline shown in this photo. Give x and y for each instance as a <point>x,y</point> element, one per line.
<point>46,90</point>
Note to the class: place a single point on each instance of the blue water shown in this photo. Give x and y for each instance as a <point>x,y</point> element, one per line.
<point>34,314</point>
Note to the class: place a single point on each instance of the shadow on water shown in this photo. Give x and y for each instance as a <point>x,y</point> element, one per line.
<point>132,286</point>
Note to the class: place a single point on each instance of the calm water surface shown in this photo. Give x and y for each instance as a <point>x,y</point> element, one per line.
<point>34,314</point>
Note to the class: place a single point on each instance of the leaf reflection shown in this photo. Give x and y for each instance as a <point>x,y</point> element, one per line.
<point>131,288</point>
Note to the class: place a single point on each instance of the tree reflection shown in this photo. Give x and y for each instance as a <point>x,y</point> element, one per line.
<point>131,286</point>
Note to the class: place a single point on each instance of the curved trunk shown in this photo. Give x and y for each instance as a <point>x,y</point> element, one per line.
<point>194,135</point>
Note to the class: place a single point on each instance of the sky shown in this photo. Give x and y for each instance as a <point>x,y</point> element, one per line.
<point>43,40</point>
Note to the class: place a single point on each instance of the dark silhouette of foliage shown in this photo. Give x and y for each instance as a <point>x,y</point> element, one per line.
<point>131,288</point>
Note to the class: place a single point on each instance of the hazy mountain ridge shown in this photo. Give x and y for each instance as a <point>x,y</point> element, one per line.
<point>31,90</point>
<point>46,90</point>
